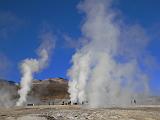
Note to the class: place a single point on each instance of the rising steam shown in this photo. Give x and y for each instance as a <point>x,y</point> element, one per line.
<point>30,66</point>
<point>106,69</point>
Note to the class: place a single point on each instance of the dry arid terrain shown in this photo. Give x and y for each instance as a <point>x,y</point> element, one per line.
<point>70,112</point>
<point>47,91</point>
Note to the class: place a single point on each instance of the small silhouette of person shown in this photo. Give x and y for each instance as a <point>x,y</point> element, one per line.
<point>63,103</point>
<point>69,103</point>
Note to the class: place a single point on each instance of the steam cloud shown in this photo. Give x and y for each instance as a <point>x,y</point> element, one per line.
<point>107,70</point>
<point>30,66</point>
<point>7,93</point>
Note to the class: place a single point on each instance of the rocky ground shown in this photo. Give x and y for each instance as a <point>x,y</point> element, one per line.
<point>59,112</point>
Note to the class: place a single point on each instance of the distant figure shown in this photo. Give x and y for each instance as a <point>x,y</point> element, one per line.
<point>75,103</point>
<point>69,103</point>
<point>63,103</point>
<point>52,103</point>
<point>133,101</point>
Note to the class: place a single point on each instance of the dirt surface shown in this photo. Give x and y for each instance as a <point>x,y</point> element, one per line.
<point>58,112</point>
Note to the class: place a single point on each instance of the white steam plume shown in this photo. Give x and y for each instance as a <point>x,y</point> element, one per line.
<point>106,70</point>
<point>30,66</point>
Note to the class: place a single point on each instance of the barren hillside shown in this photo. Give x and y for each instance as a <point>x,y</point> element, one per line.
<point>52,88</point>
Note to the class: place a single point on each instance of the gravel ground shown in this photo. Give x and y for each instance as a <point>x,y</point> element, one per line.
<point>58,112</point>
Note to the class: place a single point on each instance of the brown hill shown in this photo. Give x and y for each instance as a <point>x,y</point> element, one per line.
<point>52,88</point>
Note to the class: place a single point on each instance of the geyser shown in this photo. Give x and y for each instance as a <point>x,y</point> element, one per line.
<point>30,66</point>
<point>106,70</point>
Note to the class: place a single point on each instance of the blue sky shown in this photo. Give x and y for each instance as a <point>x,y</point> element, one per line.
<point>21,22</point>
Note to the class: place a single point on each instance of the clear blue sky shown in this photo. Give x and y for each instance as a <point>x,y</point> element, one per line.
<point>21,22</point>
